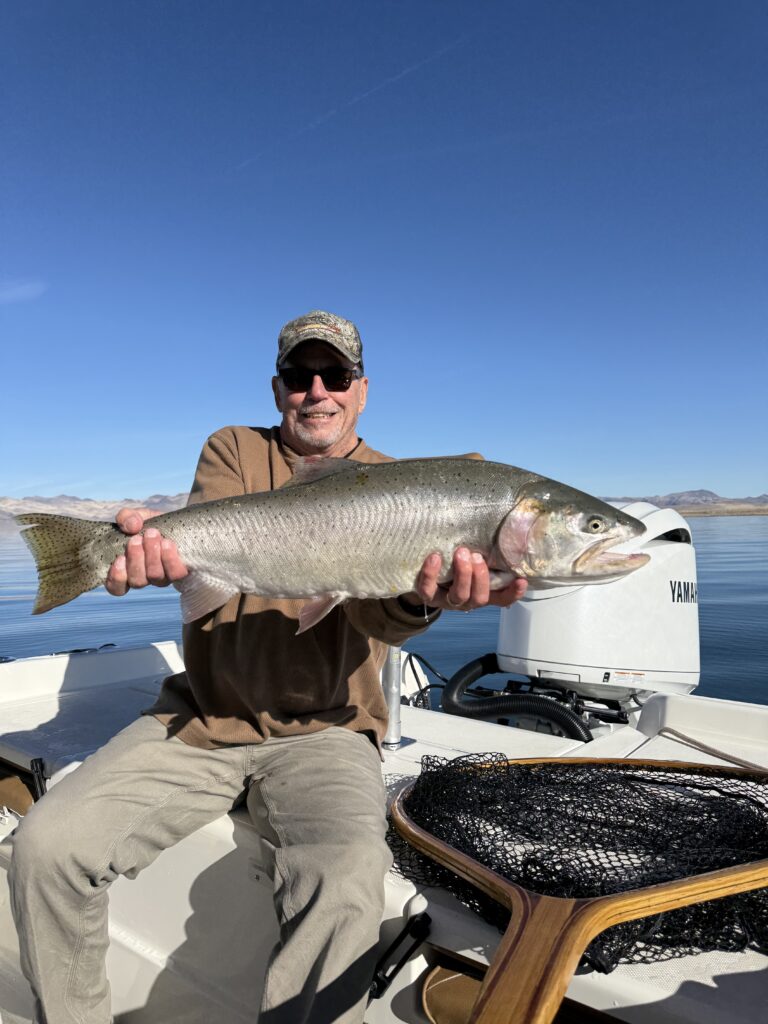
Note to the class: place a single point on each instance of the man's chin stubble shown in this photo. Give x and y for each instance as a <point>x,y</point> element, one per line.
<point>309,437</point>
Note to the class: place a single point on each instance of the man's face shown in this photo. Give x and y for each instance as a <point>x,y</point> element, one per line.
<point>318,421</point>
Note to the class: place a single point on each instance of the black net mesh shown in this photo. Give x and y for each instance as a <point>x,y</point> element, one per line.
<point>581,830</point>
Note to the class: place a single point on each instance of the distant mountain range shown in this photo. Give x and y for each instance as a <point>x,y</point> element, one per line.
<point>691,503</point>
<point>703,503</point>
<point>85,508</point>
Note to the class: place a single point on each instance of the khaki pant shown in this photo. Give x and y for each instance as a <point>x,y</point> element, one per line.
<point>318,798</point>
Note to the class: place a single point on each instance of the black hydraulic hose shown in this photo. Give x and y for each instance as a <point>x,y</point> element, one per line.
<point>453,702</point>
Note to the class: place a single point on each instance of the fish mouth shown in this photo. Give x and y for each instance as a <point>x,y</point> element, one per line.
<point>602,560</point>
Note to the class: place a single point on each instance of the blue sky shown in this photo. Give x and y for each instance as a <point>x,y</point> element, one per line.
<point>547,218</point>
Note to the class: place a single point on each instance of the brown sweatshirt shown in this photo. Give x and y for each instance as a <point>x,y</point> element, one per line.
<point>248,676</point>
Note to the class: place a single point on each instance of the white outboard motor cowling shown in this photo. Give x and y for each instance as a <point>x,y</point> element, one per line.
<point>635,635</point>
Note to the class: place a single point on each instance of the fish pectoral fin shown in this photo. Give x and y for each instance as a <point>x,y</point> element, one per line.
<point>315,467</point>
<point>498,580</point>
<point>201,594</point>
<point>316,609</point>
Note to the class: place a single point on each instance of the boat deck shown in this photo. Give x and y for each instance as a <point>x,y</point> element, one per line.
<point>182,934</point>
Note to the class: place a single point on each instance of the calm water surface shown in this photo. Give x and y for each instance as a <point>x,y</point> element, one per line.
<point>732,556</point>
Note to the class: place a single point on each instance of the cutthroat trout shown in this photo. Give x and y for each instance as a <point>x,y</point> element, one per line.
<point>342,529</point>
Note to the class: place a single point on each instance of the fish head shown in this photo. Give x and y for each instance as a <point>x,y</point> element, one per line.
<point>562,536</point>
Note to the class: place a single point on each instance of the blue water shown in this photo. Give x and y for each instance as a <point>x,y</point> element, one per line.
<point>732,558</point>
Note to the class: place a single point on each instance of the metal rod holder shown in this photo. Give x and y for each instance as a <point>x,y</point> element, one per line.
<point>390,681</point>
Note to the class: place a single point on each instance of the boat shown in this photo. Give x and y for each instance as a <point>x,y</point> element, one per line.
<point>604,672</point>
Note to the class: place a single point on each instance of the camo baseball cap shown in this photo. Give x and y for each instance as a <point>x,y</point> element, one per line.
<point>318,325</point>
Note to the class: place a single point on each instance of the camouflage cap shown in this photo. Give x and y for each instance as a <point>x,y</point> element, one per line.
<point>318,325</point>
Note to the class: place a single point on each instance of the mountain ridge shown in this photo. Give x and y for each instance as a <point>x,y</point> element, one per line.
<point>84,508</point>
<point>691,499</point>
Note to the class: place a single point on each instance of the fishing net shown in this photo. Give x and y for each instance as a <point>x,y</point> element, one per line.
<point>570,829</point>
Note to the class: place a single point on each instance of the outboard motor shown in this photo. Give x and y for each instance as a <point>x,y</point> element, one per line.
<point>610,644</point>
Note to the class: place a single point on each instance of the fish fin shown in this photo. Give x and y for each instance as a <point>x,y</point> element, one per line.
<point>511,545</point>
<point>316,609</point>
<point>72,555</point>
<point>201,594</point>
<point>499,580</point>
<point>315,467</point>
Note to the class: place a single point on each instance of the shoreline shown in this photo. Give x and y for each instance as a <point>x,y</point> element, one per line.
<point>720,510</point>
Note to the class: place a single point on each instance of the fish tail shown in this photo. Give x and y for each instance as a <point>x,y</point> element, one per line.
<point>72,555</point>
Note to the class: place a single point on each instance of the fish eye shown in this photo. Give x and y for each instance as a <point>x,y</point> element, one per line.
<point>595,524</point>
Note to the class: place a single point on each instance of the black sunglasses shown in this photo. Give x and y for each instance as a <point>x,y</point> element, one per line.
<point>334,378</point>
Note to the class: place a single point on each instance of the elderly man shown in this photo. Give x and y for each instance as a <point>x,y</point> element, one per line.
<point>295,722</point>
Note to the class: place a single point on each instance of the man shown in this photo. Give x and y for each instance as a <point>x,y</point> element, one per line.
<point>293,721</point>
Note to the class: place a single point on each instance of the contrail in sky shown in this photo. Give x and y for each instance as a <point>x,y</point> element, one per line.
<point>12,291</point>
<point>334,111</point>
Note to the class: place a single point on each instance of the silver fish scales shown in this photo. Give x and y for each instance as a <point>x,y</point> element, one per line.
<point>342,529</point>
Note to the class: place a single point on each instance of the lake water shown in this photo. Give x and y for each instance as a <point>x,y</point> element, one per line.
<point>732,558</point>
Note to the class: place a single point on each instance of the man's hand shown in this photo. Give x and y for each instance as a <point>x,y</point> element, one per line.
<point>469,588</point>
<point>150,559</point>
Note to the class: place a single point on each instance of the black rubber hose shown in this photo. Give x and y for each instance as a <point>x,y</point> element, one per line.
<point>453,702</point>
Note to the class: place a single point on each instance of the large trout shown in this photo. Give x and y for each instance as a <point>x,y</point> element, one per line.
<point>343,529</point>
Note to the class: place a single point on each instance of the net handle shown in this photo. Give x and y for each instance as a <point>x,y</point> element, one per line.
<point>746,770</point>
<point>547,935</point>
